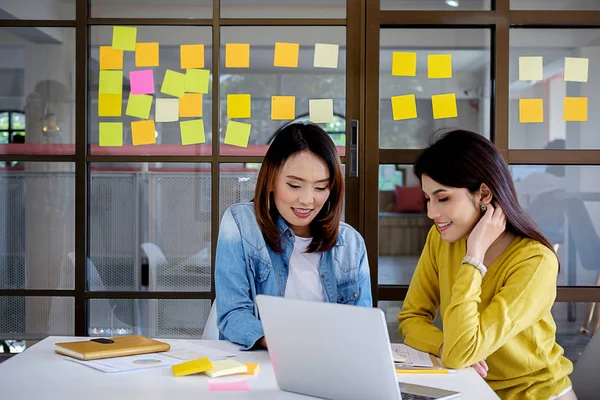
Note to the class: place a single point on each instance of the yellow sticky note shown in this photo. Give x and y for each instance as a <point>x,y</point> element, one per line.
<point>237,55</point>
<point>110,105</point>
<point>226,367</point>
<point>192,132</point>
<point>404,107</point>
<point>110,58</point>
<point>531,110</point>
<point>253,368</point>
<point>237,134</point>
<point>576,69</point>
<point>111,134</point>
<point>286,55</point>
<point>197,80</point>
<point>444,106</point>
<point>326,55</point>
<point>576,109</point>
<point>146,55</point>
<point>173,84</point>
<point>320,111</point>
<point>143,132</point>
<point>404,63</point>
<point>111,82</point>
<point>124,38</point>
<point>238,106</point>
<point>192,56</point>
<point>192,367</point>
<point>190,105</point>
<point>283,107</point>
<point>138,105</point>
<point>531,68</point>
<point>166,110</point>
<point>439,66</point>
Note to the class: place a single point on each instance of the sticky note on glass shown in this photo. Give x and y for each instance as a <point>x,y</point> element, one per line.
<point>192,367</point>
<point>320,111</point>
<point>237,134</point>
<point>196,80</point>
<point>110,58</point>
<point>253,368</point>
<point>111,82</point>
<point>238,106</point>
<point>111,134</point>
<point>146,55</point>
<point>173,84</point>
<point>142,82</point>
<point>143,132</point>
<point>283,108</point>
<point>190,105</point>
<point>238,386</point>
<point>326,55</point>
<point>192,56</point>
<point>138,105</point>
<point>192,132</point>
<point>576,69</point>
<point>576,109</point>
<point>110,105</point>
<point>405,64</point>
<point>404,107</point>
<point>444,106</point>
<point>124,38</point>
<point>237,55</point>
<point>167,110</point>
<point>531,110</point>
<point>286,55</point>
<point>439,66</point>
<point>531,68</point>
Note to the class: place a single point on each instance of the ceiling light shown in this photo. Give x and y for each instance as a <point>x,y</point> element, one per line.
<point>452,3</point>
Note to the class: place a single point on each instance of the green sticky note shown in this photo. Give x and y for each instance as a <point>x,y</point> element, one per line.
<point>124,38</point>
<point>192,132</point>
<point>111,134</point>
<point>139,106</point>
<point>173,84</point>
<point>237,134</point>
<point>111,82</point>
<point>196,80</point>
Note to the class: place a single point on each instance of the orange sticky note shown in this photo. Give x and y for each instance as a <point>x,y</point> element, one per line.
<point>404,107</point>
<point>237,55</point>
<point>439,66</point>
<point>190,105</point>
<point>253,368</point>
<point>238,106</point>
<point>146,55</point>
<point>142,132</point>
<point>110,58</point>
<point>286,55</point>
<point>283,108</point>
<point>192,56</point>
<point>444,106</point>
<point>237,134</point>
<point>404,63</point>
<point>531,110</point>
<point>576,109</point>
<point>110,105</point>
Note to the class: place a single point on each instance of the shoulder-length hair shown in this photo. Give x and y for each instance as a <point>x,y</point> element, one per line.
<point>289,140</point>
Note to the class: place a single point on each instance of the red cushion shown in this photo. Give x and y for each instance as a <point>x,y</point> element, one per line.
<point>410,199</point>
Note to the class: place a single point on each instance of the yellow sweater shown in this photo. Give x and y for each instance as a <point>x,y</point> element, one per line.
<point>505,316</point>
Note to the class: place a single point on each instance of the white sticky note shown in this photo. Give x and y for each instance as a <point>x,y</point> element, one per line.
<point>320,111</point>
<point>576,69</point>
<point>531,68</point>
<point>167,110</point>
<point>326,55</point>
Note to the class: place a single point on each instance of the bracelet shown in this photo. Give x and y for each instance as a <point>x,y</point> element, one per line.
<point>477,264</point>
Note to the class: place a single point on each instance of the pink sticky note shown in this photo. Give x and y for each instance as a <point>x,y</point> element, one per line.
<point>142,82</point>
<point>239,386</point>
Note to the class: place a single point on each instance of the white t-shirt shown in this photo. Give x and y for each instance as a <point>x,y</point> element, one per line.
<point>304,281</point>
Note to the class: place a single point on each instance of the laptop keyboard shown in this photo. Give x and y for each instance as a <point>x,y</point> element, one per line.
<point>411,396</point>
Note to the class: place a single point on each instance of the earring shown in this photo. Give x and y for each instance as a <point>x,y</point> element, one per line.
<point>483,207</point>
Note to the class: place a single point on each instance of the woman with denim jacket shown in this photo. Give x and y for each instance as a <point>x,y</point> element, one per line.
<point>289,241</point>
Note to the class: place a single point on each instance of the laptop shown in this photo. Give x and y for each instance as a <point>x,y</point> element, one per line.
<point>334,351</point>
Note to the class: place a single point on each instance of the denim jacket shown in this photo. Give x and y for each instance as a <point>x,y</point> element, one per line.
<point>245,266</point>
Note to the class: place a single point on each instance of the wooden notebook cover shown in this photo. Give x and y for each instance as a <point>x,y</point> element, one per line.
<point>121,346</point>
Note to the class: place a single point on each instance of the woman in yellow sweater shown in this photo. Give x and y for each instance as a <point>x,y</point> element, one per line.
<point>489,270</point>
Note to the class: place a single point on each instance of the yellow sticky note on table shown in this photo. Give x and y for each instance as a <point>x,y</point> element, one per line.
<point>237,55</point>
<point>190,105</point>
<point>531,68</point>
<point>439,66</point>
<point>173,84</point>
<point>110,58</point>
<point>239,106</point>
<point>124,38</point>
<point>192,367</point>
<point>146,55</point>
<point>404,107</point>
<point>576,69</point>
<point>192,56</point>
<point>404,63</point>
<point>110,105</point>
<point>237,134</point>
<point>326,55</point>
<point>253,368</point>
<point>226,367</point>
<point>197,80</point>
<point>444,106</point>
<point>111,82</point>
<point>192,132</point>
<point>576,109</point>
<point>531,110</point>
<point>286,55</point>
<point>143,132</point>
<point>320,111</point>
<point>283,108</point>
<point>111,134</point>
<point>138,105</point>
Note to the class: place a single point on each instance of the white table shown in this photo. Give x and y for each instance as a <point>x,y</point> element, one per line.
<point>39,373</point>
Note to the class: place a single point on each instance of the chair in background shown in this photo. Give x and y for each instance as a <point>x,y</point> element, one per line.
<point>587,370</point>
<point>211,331</point>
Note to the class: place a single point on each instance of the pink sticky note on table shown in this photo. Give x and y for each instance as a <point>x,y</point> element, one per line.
<point>142,82</point>
<point>238,386</point>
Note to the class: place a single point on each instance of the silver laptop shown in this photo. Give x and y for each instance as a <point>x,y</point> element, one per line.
<point>334,352</point>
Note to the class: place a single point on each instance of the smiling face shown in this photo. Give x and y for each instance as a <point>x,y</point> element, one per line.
<point>300,191</point>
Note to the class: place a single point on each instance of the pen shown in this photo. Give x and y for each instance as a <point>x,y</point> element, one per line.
<point>425,371</point>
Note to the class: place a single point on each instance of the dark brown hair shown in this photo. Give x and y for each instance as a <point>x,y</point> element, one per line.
<point>292,139</point>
